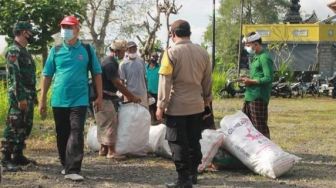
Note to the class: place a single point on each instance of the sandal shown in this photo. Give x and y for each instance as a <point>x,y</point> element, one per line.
<point>119,157</point>
<point>103,151</point>
<point>110,156</point>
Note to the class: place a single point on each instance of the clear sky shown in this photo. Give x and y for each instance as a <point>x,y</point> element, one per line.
<point>198,13</point>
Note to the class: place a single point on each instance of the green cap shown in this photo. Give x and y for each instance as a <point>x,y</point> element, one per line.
<point>22,25</point>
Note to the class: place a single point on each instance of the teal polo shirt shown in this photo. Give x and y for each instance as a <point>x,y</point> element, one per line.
<point>68,65</point>
<point>152,75</point>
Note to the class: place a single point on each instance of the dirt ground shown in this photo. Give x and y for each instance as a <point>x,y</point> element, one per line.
<point>314,171</point>
<point>317,169</point>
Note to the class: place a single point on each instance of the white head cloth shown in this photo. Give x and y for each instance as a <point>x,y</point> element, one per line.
<point>252,38</point>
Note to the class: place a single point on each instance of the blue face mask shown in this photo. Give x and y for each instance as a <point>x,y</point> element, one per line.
<point>67,34</point>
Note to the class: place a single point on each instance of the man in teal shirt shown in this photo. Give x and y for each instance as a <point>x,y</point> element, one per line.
<point>258,84</point>
<point>152,75</point>
<point>67,66</point>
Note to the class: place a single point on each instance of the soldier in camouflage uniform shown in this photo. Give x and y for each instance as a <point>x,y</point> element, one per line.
<point>21,80</point>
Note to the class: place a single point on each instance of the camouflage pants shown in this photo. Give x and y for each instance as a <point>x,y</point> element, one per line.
<point>18,127</point>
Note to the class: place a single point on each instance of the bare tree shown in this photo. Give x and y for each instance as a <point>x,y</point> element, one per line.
<point>148,44</point>
<point>166,7</point>
<point>102,14</point>
<point>99,9</point>
<point>169,7</point>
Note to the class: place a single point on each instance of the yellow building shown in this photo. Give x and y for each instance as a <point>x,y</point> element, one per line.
<point>298,33</point>
<point>312,46</point>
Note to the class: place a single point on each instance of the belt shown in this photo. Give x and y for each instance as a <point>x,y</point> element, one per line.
<point>110,93</point>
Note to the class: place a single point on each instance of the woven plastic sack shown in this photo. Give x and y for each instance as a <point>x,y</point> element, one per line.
<point>252,148</point>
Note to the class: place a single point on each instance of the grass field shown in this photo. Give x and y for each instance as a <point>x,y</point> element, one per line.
<point>304,127</point>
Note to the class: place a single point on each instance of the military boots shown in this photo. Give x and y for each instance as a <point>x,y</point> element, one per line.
<point>7,163</point>
<point>20,159</point>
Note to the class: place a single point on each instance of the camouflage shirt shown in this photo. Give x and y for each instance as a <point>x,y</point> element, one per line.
<point>21,77</point>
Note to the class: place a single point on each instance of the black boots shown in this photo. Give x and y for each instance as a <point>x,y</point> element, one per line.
<point>20,159</point>
<point>8,164</point>
<point>193,179</point>
<point>180,184</point>
<point>183,181</point>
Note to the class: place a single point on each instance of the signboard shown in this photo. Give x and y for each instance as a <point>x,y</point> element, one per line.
<point>300,33</point>
<point>264,33</point>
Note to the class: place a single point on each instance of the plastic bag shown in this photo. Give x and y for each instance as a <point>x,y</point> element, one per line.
<point>157,142</point>
<point>91,138</point>
<point>210,143</point>
<point>224,160</point>
<point>252,148</point>
<point>133,130</point>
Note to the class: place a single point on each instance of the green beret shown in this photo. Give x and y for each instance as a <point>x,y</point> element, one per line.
<point>22,25</point>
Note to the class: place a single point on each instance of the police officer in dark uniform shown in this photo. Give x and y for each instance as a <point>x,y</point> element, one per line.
<point>21,80</point>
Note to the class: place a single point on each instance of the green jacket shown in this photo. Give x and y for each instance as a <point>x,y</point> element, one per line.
<point>21,77</point>
<point>261,69</point>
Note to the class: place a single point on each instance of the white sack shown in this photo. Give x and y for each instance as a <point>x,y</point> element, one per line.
<point>252,148</point>
<point>155,135</point>
<point>133,129</point>
<point>157,142</point>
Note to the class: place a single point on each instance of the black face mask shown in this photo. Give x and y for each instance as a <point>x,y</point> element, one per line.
<point>153,61</point>
<point>31,39</point>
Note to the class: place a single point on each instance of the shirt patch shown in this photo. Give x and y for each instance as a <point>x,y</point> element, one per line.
<point>12,58</point>
<point>80,57</point>
<point>166,66</point>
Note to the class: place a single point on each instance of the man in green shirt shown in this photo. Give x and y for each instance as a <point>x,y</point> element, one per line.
<point>258,84</point>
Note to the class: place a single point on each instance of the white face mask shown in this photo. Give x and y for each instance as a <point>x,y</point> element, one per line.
<point>132,55</point>
<point>67,34</point>
<point>250,50</point>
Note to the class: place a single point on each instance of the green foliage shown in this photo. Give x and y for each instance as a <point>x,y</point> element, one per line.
<point>282,60</point>
<point>39,68</point>
<point>158,46</point>
<point>227,25</point>
<point>264,11</point>
<point>3,102</point>
<point>2,61</point>
<point>221,65</point>
<point>227,32</point>
<point>222,72</point>
<point>284,70</point>
<point>218,82</point>
<point>45,15</point>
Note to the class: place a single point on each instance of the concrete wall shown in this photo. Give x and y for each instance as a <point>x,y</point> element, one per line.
<point>312,57</point>
<point>326,58</point>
